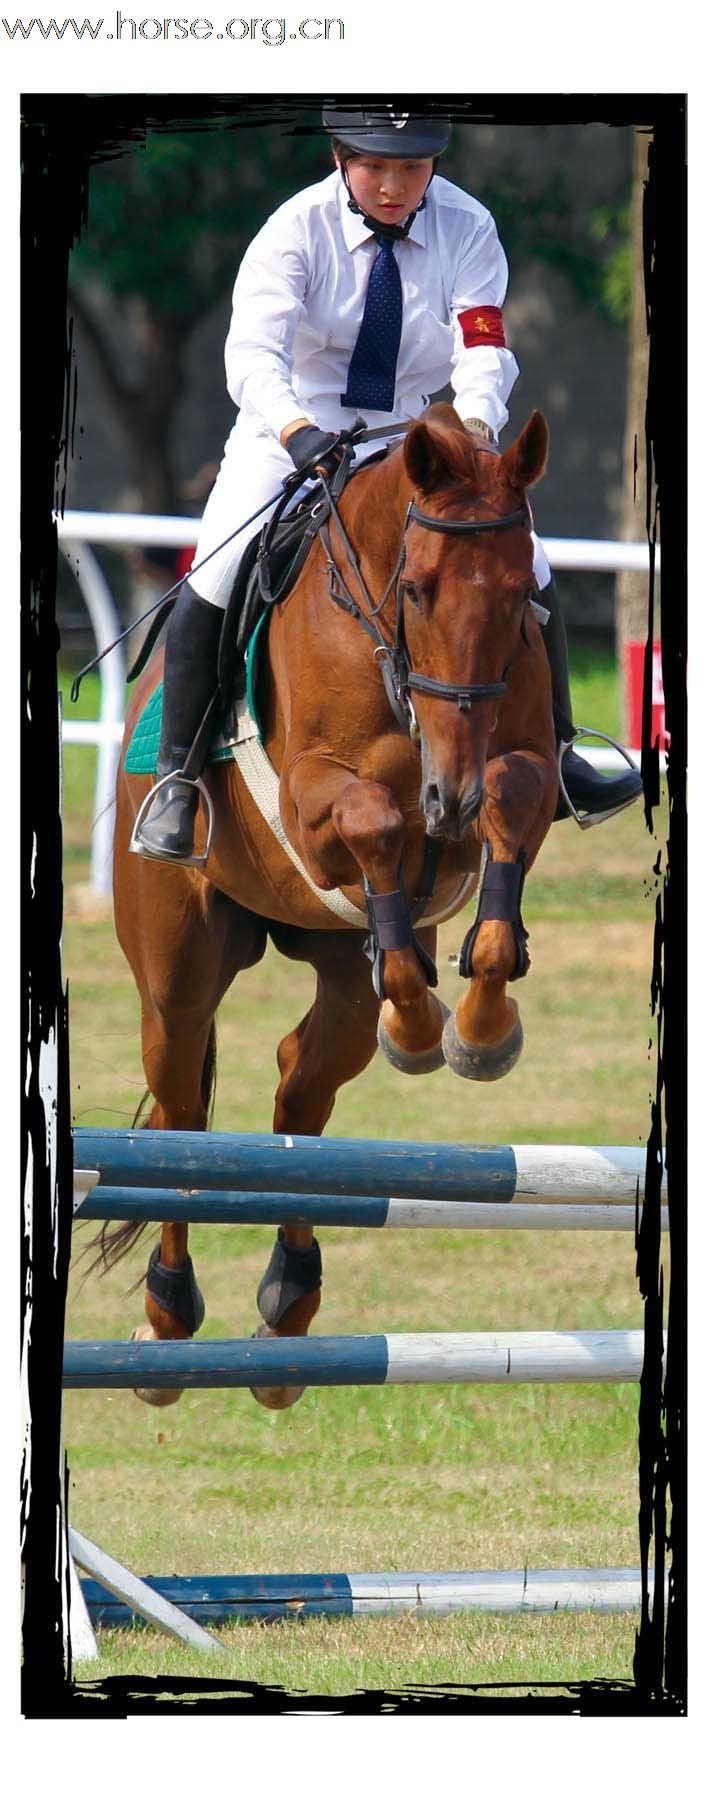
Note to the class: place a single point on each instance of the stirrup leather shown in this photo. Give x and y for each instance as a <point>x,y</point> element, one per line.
<point>594,817</point>
<point>196,858</point>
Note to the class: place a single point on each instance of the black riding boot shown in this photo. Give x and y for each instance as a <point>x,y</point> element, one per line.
<point>589,791</point>
<point>189,683</point>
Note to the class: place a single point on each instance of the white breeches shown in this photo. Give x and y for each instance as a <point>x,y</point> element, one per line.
<point>251,473</point>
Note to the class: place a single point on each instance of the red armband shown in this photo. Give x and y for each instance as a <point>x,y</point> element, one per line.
<point>482,326</point>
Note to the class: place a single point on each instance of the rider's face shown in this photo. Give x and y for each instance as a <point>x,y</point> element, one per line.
<point>389,188</point>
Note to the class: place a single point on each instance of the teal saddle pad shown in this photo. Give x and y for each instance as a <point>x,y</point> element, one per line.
<point>142,754</point>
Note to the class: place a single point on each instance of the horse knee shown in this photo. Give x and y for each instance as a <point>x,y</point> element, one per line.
<point>368,818</point>
<point>520,791</point>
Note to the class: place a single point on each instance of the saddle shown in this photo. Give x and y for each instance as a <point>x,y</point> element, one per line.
<point>270,568</point>
<point>268,571</point>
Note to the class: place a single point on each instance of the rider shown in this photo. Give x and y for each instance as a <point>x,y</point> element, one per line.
<point>313,345</point>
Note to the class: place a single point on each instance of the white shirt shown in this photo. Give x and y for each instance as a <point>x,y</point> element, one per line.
<point>299,299</point>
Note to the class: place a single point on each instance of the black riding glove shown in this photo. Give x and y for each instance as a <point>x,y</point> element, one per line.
<point>308,446</point>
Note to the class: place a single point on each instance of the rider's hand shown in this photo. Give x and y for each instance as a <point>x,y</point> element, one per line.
<point>312,449</point>
<point>480,429</point>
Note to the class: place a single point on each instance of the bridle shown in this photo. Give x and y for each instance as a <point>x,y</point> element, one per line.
<point>393,655</point>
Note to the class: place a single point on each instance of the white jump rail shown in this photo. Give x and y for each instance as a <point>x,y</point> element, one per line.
<point>134,1593</point>
<point>79,529</point>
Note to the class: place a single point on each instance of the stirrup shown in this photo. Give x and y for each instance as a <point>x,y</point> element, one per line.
<point>196,858</point>
<point>593,818</point>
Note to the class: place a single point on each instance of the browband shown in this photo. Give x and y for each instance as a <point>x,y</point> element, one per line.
<point>435,525</point>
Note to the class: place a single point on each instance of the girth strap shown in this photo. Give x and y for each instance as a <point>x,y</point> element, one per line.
<point>432,850</point>
<point>500,899</point>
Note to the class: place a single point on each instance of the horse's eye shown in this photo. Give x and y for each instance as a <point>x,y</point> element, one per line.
<point>412,594</point>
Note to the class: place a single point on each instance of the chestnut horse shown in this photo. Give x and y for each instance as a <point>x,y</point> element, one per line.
<point>442,532</point>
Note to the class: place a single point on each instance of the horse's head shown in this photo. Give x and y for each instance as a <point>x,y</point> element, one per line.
<point>463,596</point>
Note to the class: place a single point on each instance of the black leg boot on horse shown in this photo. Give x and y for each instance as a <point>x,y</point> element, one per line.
<point>165,828</point>
<point>587,789</point>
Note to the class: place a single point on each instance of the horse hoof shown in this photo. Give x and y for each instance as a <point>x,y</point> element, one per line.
<point>483,1062</point>
<point>415,1064</point>
<point>274,1397</point>
<point>157,1398</point>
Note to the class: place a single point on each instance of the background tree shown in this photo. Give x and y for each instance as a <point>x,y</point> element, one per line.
<point>168,225</point>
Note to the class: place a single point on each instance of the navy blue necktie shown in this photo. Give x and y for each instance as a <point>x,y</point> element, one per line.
<point>372,372</point>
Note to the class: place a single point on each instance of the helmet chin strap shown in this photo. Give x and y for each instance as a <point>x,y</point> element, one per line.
<point>380,226</point>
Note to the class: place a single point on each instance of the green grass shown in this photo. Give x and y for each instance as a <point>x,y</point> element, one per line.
<point>595,689</point>
<point>388,1655</point>
<point>404,1477</point>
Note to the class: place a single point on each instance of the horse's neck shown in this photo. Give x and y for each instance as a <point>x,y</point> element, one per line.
<point>376,514</point>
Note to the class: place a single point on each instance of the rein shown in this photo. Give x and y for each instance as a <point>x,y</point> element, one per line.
<point>398,676</point>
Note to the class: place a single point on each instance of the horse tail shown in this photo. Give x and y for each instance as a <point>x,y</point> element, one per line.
<point>112,1244</point>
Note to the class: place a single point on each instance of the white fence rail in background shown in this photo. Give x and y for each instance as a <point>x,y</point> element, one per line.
<point>78,531</point>
<point>172,530</point>
<point>106,732</point>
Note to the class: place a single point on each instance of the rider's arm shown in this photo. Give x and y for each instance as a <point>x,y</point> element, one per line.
<point>484,370</point>
<point>268,306</point>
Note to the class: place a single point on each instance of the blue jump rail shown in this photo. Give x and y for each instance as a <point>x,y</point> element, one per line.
<point>141,1203</point>
<point>550,1357</point>
<point>136,1203</point>
<point>373,1171</point>
<point>221,1599</point>
<point>169,1159</point>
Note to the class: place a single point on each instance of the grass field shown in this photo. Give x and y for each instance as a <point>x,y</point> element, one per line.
<point>409,1477</point>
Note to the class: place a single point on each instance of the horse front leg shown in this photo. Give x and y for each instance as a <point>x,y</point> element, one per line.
<point>483,1039</point>
<point>352,830</point>
<point>371,826</point>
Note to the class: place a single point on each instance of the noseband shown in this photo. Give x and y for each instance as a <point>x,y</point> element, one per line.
<point>398,676</point>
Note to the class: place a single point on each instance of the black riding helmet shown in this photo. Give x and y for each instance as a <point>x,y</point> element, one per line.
<point>385,133</point>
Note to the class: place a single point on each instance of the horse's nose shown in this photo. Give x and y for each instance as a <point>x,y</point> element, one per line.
<point>470,804</point>
<point>434,810</point>
<point>448,816</point>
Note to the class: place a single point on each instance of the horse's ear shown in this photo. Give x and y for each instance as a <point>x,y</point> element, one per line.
<point>430,462</point>
<point>525,461</point>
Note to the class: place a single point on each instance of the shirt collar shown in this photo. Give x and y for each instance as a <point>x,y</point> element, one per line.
<point>356,232</point>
